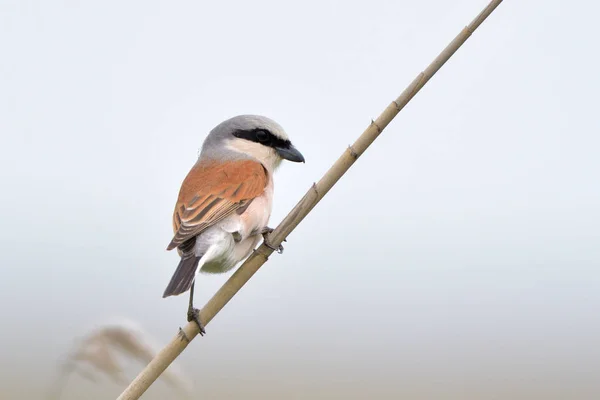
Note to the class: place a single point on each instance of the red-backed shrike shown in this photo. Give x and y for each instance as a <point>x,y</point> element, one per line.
<point>225,201</point>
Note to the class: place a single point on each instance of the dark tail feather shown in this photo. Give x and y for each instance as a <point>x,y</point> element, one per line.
<point>184,275</point>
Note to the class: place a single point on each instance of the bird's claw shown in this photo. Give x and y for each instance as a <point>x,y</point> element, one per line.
<point>194,315</point>
<point>278,249</point>
<point>266,232</point>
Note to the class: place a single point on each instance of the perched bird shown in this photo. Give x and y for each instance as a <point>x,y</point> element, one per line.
<point>225,201</point>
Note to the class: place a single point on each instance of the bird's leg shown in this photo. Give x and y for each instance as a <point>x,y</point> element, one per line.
<point>237,237</point>
<point>266,231</point>
<point>193,314</point>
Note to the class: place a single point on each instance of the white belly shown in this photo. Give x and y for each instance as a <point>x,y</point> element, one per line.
<point>219,251</point>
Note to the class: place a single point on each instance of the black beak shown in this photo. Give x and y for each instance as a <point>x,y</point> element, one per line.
<point>290,153</point>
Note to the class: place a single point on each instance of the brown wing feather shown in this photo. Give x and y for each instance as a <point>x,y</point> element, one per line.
<point>213,191</point>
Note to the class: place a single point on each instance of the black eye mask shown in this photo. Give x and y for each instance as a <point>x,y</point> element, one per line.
<point>263,137</point>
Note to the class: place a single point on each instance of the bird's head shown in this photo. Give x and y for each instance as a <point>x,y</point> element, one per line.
<point>253,137</point>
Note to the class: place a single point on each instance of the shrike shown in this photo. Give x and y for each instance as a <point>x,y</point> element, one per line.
<point>225,201</point>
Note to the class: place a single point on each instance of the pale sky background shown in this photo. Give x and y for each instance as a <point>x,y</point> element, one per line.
<point>459,258</point>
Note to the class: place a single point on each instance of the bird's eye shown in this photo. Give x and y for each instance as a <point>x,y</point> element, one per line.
<point>262,136</point>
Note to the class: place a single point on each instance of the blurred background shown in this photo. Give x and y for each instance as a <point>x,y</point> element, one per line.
<point>457,259</point>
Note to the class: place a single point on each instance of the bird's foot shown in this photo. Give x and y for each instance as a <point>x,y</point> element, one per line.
<point>194,315</point>
<point>266,231</point>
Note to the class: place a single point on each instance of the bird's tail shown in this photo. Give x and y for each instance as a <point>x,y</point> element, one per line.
<point>184,275</point>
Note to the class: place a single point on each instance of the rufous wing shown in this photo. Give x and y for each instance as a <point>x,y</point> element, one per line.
<point>213,191</point>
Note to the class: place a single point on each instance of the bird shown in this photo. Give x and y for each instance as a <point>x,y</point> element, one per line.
<point>225,201</point>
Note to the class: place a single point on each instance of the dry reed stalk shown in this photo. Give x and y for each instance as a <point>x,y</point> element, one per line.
<point>172,350</point>
<point>102,352</point>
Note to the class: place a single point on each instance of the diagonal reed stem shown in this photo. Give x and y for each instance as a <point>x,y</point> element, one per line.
<point>172,350</point>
